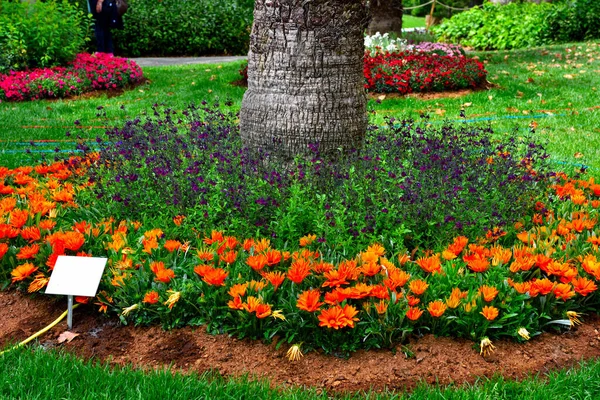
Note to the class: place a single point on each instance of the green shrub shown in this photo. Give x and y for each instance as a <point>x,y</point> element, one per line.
<point>571,21</point>
<point>175,27</point>
<point>40,34</point>
<point>492,26</point>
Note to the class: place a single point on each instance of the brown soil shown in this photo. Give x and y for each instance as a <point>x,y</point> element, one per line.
<point>442,360</point>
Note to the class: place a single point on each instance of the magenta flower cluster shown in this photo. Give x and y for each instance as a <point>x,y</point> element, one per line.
<point>442,49</point>
<point>86,73</point>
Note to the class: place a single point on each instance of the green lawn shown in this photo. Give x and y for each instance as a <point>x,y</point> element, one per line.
<point>41,374</point>
<point>409,21</point>
<point>556,88</point>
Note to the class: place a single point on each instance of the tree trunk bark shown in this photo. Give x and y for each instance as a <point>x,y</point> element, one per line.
<point>305,77</point>
<point>386,17</point>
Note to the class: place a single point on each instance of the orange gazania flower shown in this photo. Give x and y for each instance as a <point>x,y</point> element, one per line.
<point>380,292</point>
<point>215,237</point>
<point>307,240</point>
<point>22,272</point>
<point>582,285</point>
<point>172,245</point>
<point>40,281</point>
<point>403,258</point>
<point>458,245</point>
<point>381,307</point>
<point>273,257</point>
<point>477,263</point>
<point>151,297</point>
<point>3,249</point>
<point>418,287</point>
<point>396,278</point>
<point>299,270</point>
<point>215,276</point>
<point>436,308</point>
<point>73,240</point>
<point>430,264</point>
<point>336,296</point>
<point>489,293</point>
<point>412,300</point>
<point>177,220</point>
<point>31,233</point>
<point>309,300</point>
<point>490,313</point>
<point>337,317</point>
<point>165,275</point>
<point>18,218</point>
<point>228,257</point>
<point>47,224</point>
<point>236,303</point>
<point>563,291</point>
<point>370,269</point>
<point>542,286</point>
<point>335,277</point>
<point>28,252</point>
<point>239,289</point>
<point>263,310</point>
<point>205,255</point>
<point>414,313</point>
<point>257,262</point>
<point>275,278</point>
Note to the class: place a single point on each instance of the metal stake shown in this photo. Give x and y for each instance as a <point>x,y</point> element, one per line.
<point>70,311</point>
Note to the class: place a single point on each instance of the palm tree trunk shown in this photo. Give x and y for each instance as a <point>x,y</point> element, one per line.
<point>305,77</point>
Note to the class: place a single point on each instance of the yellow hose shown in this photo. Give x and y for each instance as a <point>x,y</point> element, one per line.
<point>41,332</point>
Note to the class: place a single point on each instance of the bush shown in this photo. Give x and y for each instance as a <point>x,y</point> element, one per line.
<point>496,27</point>
<point>425,71</point>
<point>571,21</point>
<point>409,185</point>
<point>85,73</point>
<point>191,28</point>
<point>37,34</point>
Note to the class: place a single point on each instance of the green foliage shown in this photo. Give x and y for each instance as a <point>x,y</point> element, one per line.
<point>39,34</point>
<point>573,20</point>
<point>174,27</point>
<point>496,27</point>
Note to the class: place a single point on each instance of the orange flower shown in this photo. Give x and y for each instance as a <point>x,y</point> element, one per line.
<point>178,219</point>
<point>403,258</point>
<point>335,296</point>
<point>275,278</point>
<point>47,224</point>
<point>165,275</point>
<point>3,249</point>
<point>412,300</point>
<point>381,307</point>
<point>490,313</point>
<point>22,272</point>
<point>172,245</point>
<point>477,263</point>
<point>205,255</point>
<point>522,287</point>
<point>526,237</point>
<point>28,252</point>
<point>236,303</point>
<point>7,231</point>
<point>18,218</point>
<point>215,237</point>
<point>430,264</point>
<point>489,293</point>
<point>335,277</point>
<point>563,291</point>
<point>370,269</point>
<point>215,276</point>
<point>263,311</point>
<point>228,257</point>
<point>251,304</point>
<point>337,317</point>
<point>418,286</point>
<point>396,278</point>
<point>414,313</point>
<point>307,240</point>
<point>542,286</point>
<point>257,262</point>
<point>458,245</point>
<point>309,300</point>
<point>151,297</point>
<point>360,291</point>
<point>38,283</point>
<point>73,240</point>
<point>273,257</point>
<point>380,292</point>
<point>239,289</point>
<point>582,285</point>
<point>31,233</point>
<point>436,308</point>
<point>299,270</point>
<point>448,255</point>
<point>368,257</point>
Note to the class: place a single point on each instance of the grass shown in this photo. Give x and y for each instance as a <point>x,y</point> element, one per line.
<point>530,87</point>
<point>409,21</point>
<point>40,374</point>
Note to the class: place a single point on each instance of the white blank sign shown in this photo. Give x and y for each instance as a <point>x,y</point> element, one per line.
<point>76,276</point>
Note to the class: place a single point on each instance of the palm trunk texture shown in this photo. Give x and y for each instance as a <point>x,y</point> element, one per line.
<point>305,77</point>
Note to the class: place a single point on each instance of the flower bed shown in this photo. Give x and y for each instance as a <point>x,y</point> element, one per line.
<point>87,72</point>
<point>537,274</point>
<point>419,71</point>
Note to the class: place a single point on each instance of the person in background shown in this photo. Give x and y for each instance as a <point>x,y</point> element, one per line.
<point>106,18</point>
